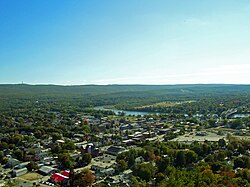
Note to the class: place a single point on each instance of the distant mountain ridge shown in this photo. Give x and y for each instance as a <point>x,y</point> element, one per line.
<point>122,96</point>
<point>80,90</point>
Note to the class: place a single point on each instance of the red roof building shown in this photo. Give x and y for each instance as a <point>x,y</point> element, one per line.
<point>65,173</point>
<point>58,177</point>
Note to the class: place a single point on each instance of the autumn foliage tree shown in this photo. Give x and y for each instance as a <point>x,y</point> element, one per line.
<point>83,179</point>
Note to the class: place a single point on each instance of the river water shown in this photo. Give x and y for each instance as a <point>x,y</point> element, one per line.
<point>240,115</point>
<point>127,112</point>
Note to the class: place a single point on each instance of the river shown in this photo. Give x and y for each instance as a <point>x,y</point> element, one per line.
<point>241,115</point>
<point>126,112</point>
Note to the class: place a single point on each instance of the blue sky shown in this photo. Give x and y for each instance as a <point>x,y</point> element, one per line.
<point>124,42</point>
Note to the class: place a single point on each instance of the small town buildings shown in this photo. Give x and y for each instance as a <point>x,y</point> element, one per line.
<point>46,170</point>
<point>19,172</point>
<point>126,127</point>
<point>75,155</point>
<point>91,149</point>
<point>139,160</point>
<point>61,178</point>
<point>114,150</point>
<point>42,153</point>
<point>21,165</point>
<point>60,141</point>
<point>128,142</point>
<point>107,172</point>
<point>164,131</point>
<point>12,162</point>
<point>79,136</point>
<point>201,134</point>
<point>103,162</point>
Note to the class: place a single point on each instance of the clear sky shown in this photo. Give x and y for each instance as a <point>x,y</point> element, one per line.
<point>124,41</point>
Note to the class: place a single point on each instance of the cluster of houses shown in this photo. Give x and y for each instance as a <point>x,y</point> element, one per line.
<point>104,148</point>
<point>114,136</point>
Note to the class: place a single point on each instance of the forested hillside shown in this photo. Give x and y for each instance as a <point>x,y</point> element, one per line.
<point>119,96</point>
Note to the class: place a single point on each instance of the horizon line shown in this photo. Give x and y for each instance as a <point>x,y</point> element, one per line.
<point>52,84</point>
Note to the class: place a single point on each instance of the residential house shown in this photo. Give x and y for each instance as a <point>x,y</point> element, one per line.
<point>114,150</point>
<point>12,162</point>
<point>46,170</point>
<point>19,172</point>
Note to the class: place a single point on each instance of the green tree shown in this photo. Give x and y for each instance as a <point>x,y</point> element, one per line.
<point>238,162</point>
<point>236,123</point>
<point>65,160</point>
<point>191,157</point>
<point>145,171</point>
<point>221,155</point>
<point>38,134</point>
<point>163,163</point>
<point>212,122</point>
<point>83,179</point>
<point>18,154</point>
<point>180,159</point>
<point>135,182</point>
<point>241,149</point>
<point>56,136</point>
<point>11,183</point>
<point>69,145</point>
<point>3,159</point>
<point>244,174</point>
<point>32,166</point>
<point>3,146</point>
<point>159,177</point>
<point>56,149</point>
<point>87,157</point>
<point>122,165</point>
<point>222,142</point>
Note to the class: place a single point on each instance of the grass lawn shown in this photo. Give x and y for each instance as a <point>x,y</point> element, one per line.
<point>164,104</point>
<point>30,176</point>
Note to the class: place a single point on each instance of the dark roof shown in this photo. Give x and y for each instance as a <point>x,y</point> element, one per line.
<point>115,150</point>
